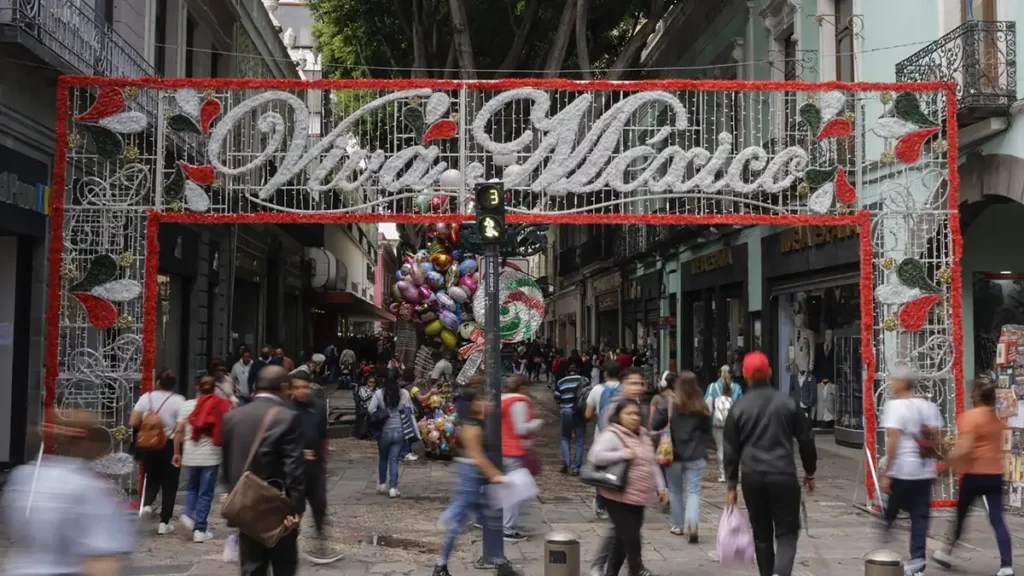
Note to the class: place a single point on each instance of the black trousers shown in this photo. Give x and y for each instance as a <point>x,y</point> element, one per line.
<point>161,477</point>
<point>316,492</point>
<point>628,519</point>
<point>914,496</point>
<point>254,558</point>
<point>773,503</point>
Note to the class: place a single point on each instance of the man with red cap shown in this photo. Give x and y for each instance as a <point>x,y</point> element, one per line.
<point>758,437</point>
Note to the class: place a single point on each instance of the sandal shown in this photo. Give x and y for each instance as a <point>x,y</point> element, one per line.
<point>676,530</point>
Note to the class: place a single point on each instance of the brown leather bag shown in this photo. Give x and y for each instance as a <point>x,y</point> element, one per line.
<point>257,508</point>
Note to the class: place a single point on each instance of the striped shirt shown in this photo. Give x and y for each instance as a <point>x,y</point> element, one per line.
<point>201,452</point>
<point>566,390</point>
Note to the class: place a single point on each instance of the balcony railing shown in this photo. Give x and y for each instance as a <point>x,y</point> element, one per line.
<point>76,35</point>
<point>599,248</point>
<point>981,57</point>
<point>568,261</point>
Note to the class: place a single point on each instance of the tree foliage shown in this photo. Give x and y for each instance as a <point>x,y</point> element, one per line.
<point>484,38</point>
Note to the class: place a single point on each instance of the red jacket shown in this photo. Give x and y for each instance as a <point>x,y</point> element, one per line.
<point>512,444</point>
<point>624,360</point>
<point>207,419</point>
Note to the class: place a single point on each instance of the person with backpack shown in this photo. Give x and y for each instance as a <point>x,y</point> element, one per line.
<point>689,425</point>
<point>913,430</point>
<point>720,397</point>
<point>568,392</point>
<point>387,411</point>
<point>197,445</point>
<point>155,416</point>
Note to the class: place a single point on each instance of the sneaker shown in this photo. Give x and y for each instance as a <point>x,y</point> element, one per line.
<point>564,470</point>
<point>595,571</point>
<point>394,493</point>
<point>164,529</point>
<point>382,488</point>
<point>514,536</point>
<point>1005,571</point>
<point>914,567</point>
<point>693,537</point>
<point>721,479</point>
<point>200,537</point>
<point>507,569</point>
<point>230,549</point>
<point>676,530</point>
<point>645,572</point>
<point>483,564</point>
<point>187,522</point>
<point>574,472</point>
<point>147,511</point>
<point>410,457</point>
<point>441,571</point>
<point>943,558</point>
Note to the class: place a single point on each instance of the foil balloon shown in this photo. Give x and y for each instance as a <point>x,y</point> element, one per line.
<point>418,278</point>
<point>427,316</point>
<point>396,292</point>
<point>433,328</point>
<point>423,293</point>
<point>449,319</point>
<point>468,283</point>
<point>446,301</point>
<point>408,292</point>
<point>467,266</point>
<point>437,247</point>
<point>422,256</point>
<point>442,230</point>
<point>439,203</point>
<point>441,261</point>
<point>456,253</point>
<point>408,258</point>
<point>426,267</point>
<point>449,339</point>
<point>434,436</point>
<point>456,236</point>
<point>458,294</point>
<point>435,280</point>
<point>466,329</point>
<point>398,275</point>
<point>405,311</point>
<point>451,277</point>
<point>406,269</point>
<point>422,203</point>
<point>393,307</point>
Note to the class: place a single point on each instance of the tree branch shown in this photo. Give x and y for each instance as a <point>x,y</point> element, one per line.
<point>512,16</point>
<point>403,17</point>
<point>451,62</point>
<point>419,42</point>
<point>636,42</point>
<point>463,41</point>
<point>560,43</point>
<point>582,52</point>
<point>515,53</point>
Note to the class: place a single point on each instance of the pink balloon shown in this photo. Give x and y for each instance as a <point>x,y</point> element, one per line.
<point>418,278</point>
<point>409,292</point>
<point>424,293</point>
<point>468,283</point>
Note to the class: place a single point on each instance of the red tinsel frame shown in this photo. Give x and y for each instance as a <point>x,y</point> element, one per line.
<point>862,219</point>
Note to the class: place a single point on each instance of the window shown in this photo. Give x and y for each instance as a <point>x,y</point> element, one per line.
<point>108,11</point>
<point>190,40</point>
<point>160,39</point>
<point>214,64</point>
<point>844,40</point>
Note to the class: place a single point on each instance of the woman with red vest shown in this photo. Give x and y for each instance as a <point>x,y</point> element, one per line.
<point>518,426</point>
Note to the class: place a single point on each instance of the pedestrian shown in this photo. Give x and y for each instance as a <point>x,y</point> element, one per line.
<point>283,360</point>
<point>61,516</point>
<point>573,422</point>
<point>315,449</point>
<point>276,459</point>
<point>155,417</point>
<point>266,358</point>
<point>333,360</point>
<point>240,376</point>
<point>225,386</point>
<point>979,457</point>
<point>362,394</point>
<point>913,427</point>
<point>758,439</point>
<point>624,358</point>
<point>389,402</point>
<point>409,384</point>
<point>536,360</point>
<point>594,406</point>
<point>720,397</point>
<point>519,426</point>
<point>689,424</point>
<point>664,395</point>
<point>197,445</point>
<point>625,439</point>
<point>473,471</point>
<point>442,371</point>
<point>309,370</point>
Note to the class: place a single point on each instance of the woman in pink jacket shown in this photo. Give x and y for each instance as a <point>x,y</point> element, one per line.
<point>626,439</point>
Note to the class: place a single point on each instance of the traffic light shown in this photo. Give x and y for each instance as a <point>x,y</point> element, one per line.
<point>490,211</point>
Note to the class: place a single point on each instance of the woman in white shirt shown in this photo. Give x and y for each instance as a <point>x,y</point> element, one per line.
<point>161,474</point>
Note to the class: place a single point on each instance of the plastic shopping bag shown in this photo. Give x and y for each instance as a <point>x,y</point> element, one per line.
<point>735,539</point>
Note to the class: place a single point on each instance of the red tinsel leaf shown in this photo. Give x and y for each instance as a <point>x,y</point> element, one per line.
<point>101,314</point>
<point>908,149</point>
<point>108,102</point>
<point>914,314</point>
<point>845,191</point>
<point>202,175</point>
<point>208,112</point>
<point>835,127</point>
<point>441,130</point>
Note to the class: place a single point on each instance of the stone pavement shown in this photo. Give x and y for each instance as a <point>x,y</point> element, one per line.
<point>383,536</point>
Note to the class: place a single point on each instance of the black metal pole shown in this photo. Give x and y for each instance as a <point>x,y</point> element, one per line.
<point>494,545</point>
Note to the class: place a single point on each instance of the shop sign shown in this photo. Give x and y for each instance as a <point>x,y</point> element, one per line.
<point>667,320</point>
<point>711,261</point>
<point>607,283</point>
<point>608,301</point>
<point>801,237</point>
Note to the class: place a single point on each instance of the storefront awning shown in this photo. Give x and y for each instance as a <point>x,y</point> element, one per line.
<point>356,309</point>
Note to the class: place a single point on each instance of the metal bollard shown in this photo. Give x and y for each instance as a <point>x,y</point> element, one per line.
<point>883,562</point>
<point>561,554</point>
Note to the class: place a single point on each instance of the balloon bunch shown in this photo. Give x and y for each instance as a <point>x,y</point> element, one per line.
<point>437,430</point>
<point>435,287</point>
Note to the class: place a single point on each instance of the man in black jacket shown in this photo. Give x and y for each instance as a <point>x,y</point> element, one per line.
<point>278,457</point>
<point>758,437</point>
<point>264,359</point>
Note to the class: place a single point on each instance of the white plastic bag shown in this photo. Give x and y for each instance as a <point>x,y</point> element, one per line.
<point>518,486</point>
<point>735,540</point>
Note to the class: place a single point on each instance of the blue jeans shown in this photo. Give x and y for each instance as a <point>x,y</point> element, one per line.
<point>202,483</point>
<point>388,447</point>
<point>573,423</point>
<point>689,473</point>
<point>467,496</point>
<point>406,448</point>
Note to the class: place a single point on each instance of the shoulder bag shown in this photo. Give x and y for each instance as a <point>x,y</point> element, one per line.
<point>256,507</point>
<point>612,477</point>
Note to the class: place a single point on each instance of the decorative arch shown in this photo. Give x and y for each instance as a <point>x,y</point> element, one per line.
<point>135,153</point>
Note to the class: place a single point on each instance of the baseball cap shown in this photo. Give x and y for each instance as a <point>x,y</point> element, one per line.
<point>756,367</point>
